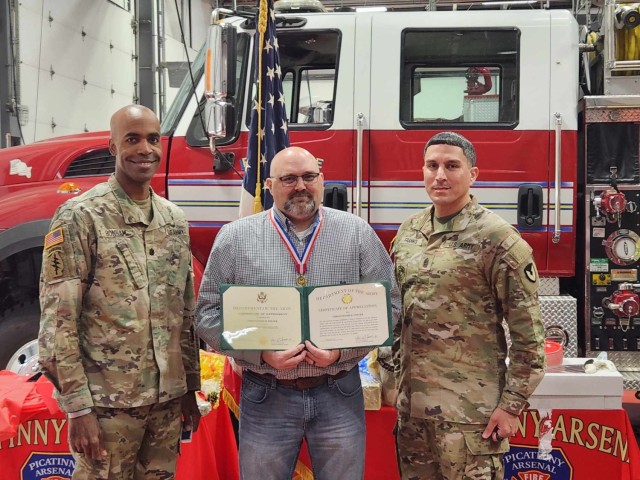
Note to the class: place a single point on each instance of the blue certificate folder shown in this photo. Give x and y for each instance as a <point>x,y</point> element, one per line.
<point>258,317</point>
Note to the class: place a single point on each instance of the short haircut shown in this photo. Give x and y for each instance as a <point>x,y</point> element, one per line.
<point>455,140</point>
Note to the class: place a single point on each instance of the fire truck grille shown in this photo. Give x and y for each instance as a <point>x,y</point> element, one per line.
<point>92,164</point>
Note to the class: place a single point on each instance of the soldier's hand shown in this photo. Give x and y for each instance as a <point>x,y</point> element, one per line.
<point>321,358</point>
<point>190,411</point>
<point>285,359</point>
<point>85,436</point>
<point>502,424</point>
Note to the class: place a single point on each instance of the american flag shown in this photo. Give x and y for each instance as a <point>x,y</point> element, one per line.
<point>268,133</point>
<point>54,237</point>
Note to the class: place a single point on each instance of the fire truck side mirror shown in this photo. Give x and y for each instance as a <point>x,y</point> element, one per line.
<point>335,196</point>
<point>220,78</point>
<point>221,60</point>
<point>219,113</point>
<point>529,205</point>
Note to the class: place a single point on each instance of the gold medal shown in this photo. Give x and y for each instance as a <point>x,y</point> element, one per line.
<point>301,280</point>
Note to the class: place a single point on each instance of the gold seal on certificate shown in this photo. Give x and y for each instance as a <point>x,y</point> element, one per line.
<point>279,318</point>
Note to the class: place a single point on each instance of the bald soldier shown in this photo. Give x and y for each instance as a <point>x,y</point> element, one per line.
<point>462,270</point>
<point>116,334</point>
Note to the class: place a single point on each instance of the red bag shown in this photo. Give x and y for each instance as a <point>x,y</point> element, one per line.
<point>33,430</point>
<point>21,397</point>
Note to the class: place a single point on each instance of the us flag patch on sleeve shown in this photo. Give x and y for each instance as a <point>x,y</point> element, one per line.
<point>54,237</point>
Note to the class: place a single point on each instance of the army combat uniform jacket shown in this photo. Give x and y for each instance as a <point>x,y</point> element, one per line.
<point>117,302</point>
<point>458,281</point>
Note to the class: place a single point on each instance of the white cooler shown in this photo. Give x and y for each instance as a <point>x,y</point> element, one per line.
<point>568,387</point>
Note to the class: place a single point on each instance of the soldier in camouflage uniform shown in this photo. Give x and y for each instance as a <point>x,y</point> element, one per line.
<point>462,270</point>
<point>117,297</point>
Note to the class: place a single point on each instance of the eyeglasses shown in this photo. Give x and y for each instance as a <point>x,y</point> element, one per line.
<point>291,180</point>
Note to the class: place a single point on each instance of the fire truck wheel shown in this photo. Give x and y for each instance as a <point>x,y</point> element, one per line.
<point>19,338</point>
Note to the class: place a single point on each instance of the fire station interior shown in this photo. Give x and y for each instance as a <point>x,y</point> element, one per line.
<point>149,52</point>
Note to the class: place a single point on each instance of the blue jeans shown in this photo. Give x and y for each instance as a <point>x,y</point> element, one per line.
<point>274,420</point>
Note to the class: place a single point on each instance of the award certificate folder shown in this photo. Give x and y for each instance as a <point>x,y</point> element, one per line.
<point>331,317</point>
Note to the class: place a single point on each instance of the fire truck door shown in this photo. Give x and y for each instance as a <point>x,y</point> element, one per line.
<point>422,83</point>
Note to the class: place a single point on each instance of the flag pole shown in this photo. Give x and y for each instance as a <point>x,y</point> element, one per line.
<point>262,28</point>
<point>268,127</point>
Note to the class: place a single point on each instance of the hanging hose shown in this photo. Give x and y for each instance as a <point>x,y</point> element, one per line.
<point>592,39</point>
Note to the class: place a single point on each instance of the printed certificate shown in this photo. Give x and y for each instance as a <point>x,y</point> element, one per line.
<point>260,318</point>
<point>279,318</point>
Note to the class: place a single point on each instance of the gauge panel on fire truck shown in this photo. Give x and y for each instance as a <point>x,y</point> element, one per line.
<point>623,247</point>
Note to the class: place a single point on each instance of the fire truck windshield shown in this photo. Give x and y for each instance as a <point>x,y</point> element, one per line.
<point>170,121</point>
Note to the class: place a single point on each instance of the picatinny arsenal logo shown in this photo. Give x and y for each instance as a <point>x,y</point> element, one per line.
<point>48,466</point>
<point>524,463</point>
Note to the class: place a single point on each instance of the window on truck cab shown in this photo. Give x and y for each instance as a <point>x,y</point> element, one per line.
<point>464,78</point>
<point>308,61</point>
<point>195,134</point>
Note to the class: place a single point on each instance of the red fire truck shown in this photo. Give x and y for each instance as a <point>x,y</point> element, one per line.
<point>557,149</point>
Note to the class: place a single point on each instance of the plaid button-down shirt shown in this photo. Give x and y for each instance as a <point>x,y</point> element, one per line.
<point>249,251</point>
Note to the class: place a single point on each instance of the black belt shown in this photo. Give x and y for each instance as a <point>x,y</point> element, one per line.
<point>304,383</point>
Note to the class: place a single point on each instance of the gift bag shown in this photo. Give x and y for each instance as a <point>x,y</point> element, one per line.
<point>33,430</point>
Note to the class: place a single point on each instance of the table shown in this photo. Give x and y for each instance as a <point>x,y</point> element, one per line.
<point>585,444</point>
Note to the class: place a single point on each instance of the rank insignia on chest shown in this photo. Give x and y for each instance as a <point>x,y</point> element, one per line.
<point>401,273</point>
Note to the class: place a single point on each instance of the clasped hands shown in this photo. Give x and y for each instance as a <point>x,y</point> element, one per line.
<point>304,352</point>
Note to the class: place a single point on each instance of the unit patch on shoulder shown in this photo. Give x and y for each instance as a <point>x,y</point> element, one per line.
<point>55,264</point>
<point>530,272</point>
<point>54,237</point>
<point>528,277</point>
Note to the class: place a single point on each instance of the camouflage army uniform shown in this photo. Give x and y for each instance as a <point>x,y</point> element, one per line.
<point>117,304</point>
<point>458,281</point>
